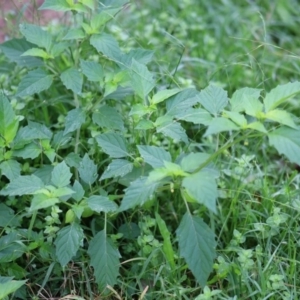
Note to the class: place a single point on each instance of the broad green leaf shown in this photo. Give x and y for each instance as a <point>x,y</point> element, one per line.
<point>104,259</point>
<point>8,217</point>
<point>202,187</point>
<point>11,169</point>
<point>281,116</point>
<point>61,175</point>
<point>36,35</point>
<point>88,3</point>
<point>23,185</point>
<point>236,117</point>
<point>218,125</point>
<point>241,97</point>
<point>141,79</point>
<point>101,203</point>
<point>13,50</point>
<point>72,80</point>
<point>214,99</point>
<point>61,192</point>
<point>57,5</point>
<point>106,44</point>
<point>253,107</point>
<point>10,287</point>
<point>74,34</point>
<point>154,156</point>
<point>140,55</point>
<point>280,94</point>
<point>36,131</point>
<point>35,81</point>
<point>74,119</point>
<point>58,48</point>
<point>108,117</point>
<point>113,144</point>
<point>192,161</point>
<point>197,246</point>
<point>195,115</point>
<point>73,160</point>
<point>158,174</point>
<point>98,20</point>
<point>144,125</point>
<point>139,192</point>
<point>163,95</point>
<point>117,168</point>
<point>92,70</point>
<point>139,110</point>
<point>32,150</point>
<point>286,141</point>
<point>67,243</point>
<point>37,52</point>
<point>79,191</point>
<point>88,170</point>
<point>40,201</point>
<point>257,126</point>
<point>11,247</point>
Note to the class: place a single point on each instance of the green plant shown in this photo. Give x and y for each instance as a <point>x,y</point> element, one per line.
<point>96,156</point>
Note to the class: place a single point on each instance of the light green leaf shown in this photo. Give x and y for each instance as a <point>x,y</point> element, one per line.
<point>88,3</point>
<point>35,81</point>
<point>79,191</point>
<point>236,117</point>
<point>281,116</point>
<point>74,34</point>
<point>37,52</point>
<point>101,203</point>
<point>32,150</point>
<point>8,217</point>
<point>58,48</point>
<point>11,169</point>
<point>13,50</point>
<point>104,259</point>
<point>118,167</point>
<point>144,125</point>
<point>253,107</point>
<point>88,170</point>
<point>214,99</point>
<point>139,192</point>
<point>192,161</point>
<point>62,191</point>
<point>140,55</point>
<point>102,18</point>
<point>108,117</point>
<point>202,187</point>
<point>23,185</point>
<point>40,201</point>
<point>280,94</point>
<point>61,175</point>
<point>141,79</point>
<point>218,125</point>
<point>57,5</point>
<point>197,246</point>
<point>74,119</point>
<point>72,80</point>
<point>67,243</point>
<point>92,70</point>
<point>154,156</point>
<point>10,287</point>
<point>158,174</point>
<point>241,97</point>
<point>286,141</point>
<point>163,95</point>
<point>257,126</point>
<point>195,115</point>
<point>113,144</point>
<point>36,35</point>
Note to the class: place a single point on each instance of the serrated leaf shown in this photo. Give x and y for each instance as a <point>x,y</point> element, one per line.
<point>158,174</point>
<point>195,115</point>
<point>202,187</point>
<point>58,48</point>
<point>241,97</point>
<point>35,81</point>
<point>40,201</point>
<point>108,117</point>
<point>214,99</point>
<point>13,49</point>
<point>218,125</point>
<point>62,191</point>
<point>140,55</point>
<point>192,161</point>
<point>72,80</point>
<point>139,192</point>
<point>163,95</point>
<point>88,170</point>
<point>32,150</point>
<point>79,191</point>
<point>113,144</point>
<point>74,34</point>
<point>141,79</point>
<point>286,141</point>
<point>197,246</point>
<point>92,70</point>
<point>282,117</point>
<point>37,52</point>
<point>36,35</point>
<point>118,167</point>
<point>61,175</point>
<point>101,203</point>
<point>8,217</point>
<point>104,259</point>
<point>253,107</point>
<point>237,118</point>
<point>23,185</point>
<point>11,247</point>
<point>67,243</point>
<point>280,94</point>
<point>10,287</point>
<point>106,44</point>
<point>154,156</point>
<point>144,125</point>
<point>257,126</point>
<point>74,119</point>
<point>57,5</point>
<point>102,18</point>
<point>11,169</point>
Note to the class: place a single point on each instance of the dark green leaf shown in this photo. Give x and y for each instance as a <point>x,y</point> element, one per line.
<point>101,203</point>
<point>72,80</point>
<point>92,70</point>
<point>61,175</point>
<point>154,156</point>
<point>88,170</point>
<point>118,167</point>
<point>74,119</point>
<point>11,169</point>
<point>8,217</point>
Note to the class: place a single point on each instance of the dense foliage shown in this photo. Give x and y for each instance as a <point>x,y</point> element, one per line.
<point>125,173</point>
